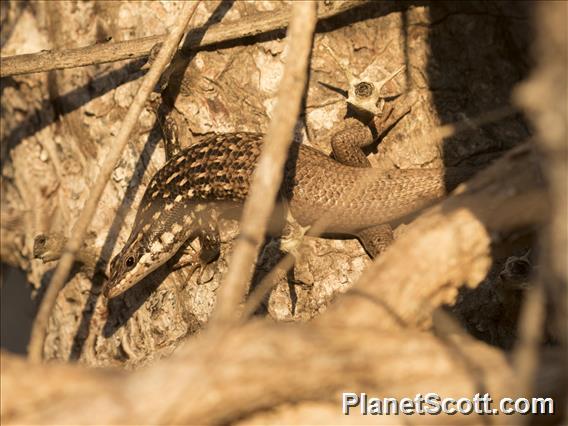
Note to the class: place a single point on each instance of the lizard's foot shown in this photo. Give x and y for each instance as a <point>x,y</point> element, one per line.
<point>200,258</point>
<point>376,239</point>
<point>195,263</point>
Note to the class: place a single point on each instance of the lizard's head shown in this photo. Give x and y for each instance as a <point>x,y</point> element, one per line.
<point>137,260</point>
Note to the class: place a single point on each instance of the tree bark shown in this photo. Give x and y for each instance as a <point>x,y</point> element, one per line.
<point>394,332</point>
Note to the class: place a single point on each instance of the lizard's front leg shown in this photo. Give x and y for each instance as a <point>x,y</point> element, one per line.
<point>376,239</point>
<point>209,250</point>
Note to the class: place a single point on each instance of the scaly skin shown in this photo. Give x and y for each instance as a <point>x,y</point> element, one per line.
<point>177,204</point>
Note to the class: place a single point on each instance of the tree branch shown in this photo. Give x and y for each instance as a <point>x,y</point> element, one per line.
<point>338,349</point>
<point>132,49</point>
<point>302,362</point>
<point>270,168</point>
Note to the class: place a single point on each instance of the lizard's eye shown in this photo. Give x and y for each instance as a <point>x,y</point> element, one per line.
<point>129,262</point>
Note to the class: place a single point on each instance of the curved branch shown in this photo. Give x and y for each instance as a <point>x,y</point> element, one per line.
<point>339,349</point>
<point>234,376</point>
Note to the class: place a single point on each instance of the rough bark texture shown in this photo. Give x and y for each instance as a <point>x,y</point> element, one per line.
<point>460,63</point>
<point>462,60</point>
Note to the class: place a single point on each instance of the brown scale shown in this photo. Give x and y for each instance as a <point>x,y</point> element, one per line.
<point>355,198</point>
<point>220,169</point>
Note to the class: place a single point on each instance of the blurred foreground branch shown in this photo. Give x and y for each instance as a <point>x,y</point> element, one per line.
<point>262,364</point>
<point>544,98</point>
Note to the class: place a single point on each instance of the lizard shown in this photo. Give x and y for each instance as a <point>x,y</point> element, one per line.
<point>185,196</point>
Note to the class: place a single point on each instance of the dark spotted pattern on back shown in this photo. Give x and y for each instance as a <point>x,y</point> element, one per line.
<point>220,169</point>
<point>217,168</point>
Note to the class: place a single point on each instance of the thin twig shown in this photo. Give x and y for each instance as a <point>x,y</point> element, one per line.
<point>270,168</point>
<point>80,229</point>
<point>285,264</point>
<point>132,49</point>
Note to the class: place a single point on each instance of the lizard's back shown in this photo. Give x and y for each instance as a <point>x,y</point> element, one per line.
<point>220,169</point>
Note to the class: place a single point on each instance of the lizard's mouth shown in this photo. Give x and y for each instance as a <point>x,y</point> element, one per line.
<point>113,288</point>
<point>117,285</point>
